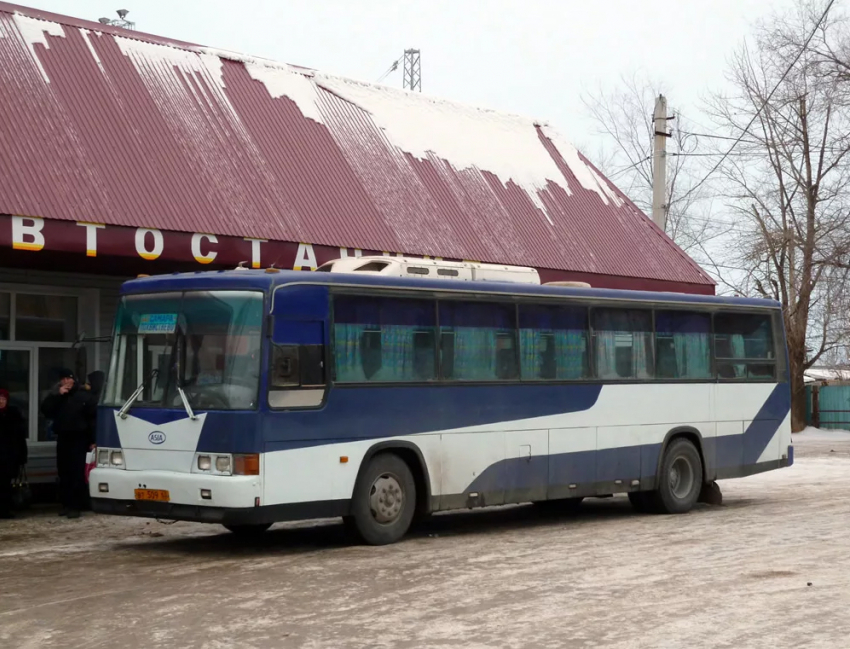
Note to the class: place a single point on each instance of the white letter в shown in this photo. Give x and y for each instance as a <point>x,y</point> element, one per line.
<point>27,233</point>
<point>255,251</point>
<point>91,236</point>
<point>141,248</point>
<point>305,257</point>
<point>196,248</point>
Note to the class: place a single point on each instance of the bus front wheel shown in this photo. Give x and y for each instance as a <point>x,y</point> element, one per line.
<point>384,501</point>
<point>680,479</point>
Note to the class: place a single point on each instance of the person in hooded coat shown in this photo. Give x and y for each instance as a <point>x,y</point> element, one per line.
<point>73,410</point>
<point>13,450</point>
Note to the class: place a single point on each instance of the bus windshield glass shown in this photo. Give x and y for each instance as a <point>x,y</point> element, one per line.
<point>206,343</point>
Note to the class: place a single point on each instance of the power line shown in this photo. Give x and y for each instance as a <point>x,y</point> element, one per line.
<point>708,135</point>
<point>769,97</point>
<point>393,67</point>
<point>631,166</point>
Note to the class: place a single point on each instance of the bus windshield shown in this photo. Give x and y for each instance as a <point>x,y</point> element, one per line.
<point>205,343</point>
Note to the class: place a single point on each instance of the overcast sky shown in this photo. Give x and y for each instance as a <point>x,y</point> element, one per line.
<point>533,57</point>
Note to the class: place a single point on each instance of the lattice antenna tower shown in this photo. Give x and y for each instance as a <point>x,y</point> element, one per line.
<point>121,21</point>
<point>412,70</point>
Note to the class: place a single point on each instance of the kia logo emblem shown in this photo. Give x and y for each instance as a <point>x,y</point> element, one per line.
<point>156,437</point>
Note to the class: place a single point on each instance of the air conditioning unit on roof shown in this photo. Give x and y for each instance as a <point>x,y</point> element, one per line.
<point>432,269</point>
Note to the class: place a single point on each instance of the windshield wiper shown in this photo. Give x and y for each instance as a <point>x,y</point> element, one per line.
<point>186,405</point>
<point>136,394</point>
<point>174,373</point>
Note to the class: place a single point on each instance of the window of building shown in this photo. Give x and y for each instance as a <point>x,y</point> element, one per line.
<point>682,345</point>
<point>743,345</point>
<point>553,342</point>
<point>5,316</point>
<point>45,318</point>
<point>478,341</point>
<point>38,329</point>
<point>623,343</point>
<point>378,339</point>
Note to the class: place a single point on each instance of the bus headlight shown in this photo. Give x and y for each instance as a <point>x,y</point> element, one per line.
<point>204,462</point>
<point>222,463</point>
<point>117,458</point>
<point>103,457</point>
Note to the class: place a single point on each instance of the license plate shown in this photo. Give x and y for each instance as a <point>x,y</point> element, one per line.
<point>160,495</point>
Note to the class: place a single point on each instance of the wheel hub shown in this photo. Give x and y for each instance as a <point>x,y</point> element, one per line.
<point>681,477</point>
<point>386,499</point>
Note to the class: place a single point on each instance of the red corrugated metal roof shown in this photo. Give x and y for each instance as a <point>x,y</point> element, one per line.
<point>123,128</point>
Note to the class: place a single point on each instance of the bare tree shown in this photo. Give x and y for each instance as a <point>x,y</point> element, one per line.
<point>625,117</point>
<point>788,180</point>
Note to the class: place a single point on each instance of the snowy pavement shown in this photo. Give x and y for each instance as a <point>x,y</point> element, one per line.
<point>731,576</point>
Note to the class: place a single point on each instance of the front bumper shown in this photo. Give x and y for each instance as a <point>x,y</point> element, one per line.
<point>178,512</point>
<point>184,489</point>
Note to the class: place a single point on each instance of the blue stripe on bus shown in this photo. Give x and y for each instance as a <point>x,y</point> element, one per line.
<point>379,413</point>
<point>370,413</point>
<point>636,462</point>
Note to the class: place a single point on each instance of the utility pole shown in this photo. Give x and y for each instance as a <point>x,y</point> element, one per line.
<point>659,163</point>
<point>412,70</point>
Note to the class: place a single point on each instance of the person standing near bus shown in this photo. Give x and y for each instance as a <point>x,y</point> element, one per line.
<point>73,411</point>
<point>13,450</point>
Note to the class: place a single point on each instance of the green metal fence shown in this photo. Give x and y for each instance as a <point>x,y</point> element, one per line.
<point>828,406</point>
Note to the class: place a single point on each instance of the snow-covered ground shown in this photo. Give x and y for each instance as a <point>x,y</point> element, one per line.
<point>770,568</point>
<point>822,434</point>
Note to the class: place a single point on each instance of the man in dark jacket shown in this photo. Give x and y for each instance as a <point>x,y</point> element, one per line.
<point>13,450</point>
<point>73,410</point>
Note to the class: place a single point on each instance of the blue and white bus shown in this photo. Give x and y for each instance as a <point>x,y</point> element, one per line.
<point>246,397</point>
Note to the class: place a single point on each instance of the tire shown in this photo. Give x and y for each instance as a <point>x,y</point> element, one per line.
<point>247,531</point>
<point>384,501</point>
<point>680,479</point>
<point>641,501</point>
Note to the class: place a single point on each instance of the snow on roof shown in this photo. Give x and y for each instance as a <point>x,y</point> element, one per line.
<point>826,374</point>
<point>34,31</point>
<point>194,144</point>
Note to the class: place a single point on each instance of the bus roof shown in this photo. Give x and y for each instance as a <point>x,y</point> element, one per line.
<point>264,280</point>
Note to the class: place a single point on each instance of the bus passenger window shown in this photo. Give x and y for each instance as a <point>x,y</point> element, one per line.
<point>623,344</point>
<point>478,341</point>
<point>424,359</point>
<point>370,353</point>
<point>553,342</point>
<point>682,346</point>
<point>744,347</point>
<point>382,339</point>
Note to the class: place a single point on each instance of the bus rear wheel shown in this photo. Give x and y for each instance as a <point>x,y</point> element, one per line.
<point>248,530</point>
<point>384,501</point>
<point>680,480</point>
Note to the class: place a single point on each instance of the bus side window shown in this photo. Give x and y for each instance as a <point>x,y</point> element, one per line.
<point>295,366</point>
<point>383,339</point>
<point>682,345</point>
<point>370,353</point>
<point>623,344</point>
<point>553,342</point>
<point>478,341</point>
<point>744,346</point>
